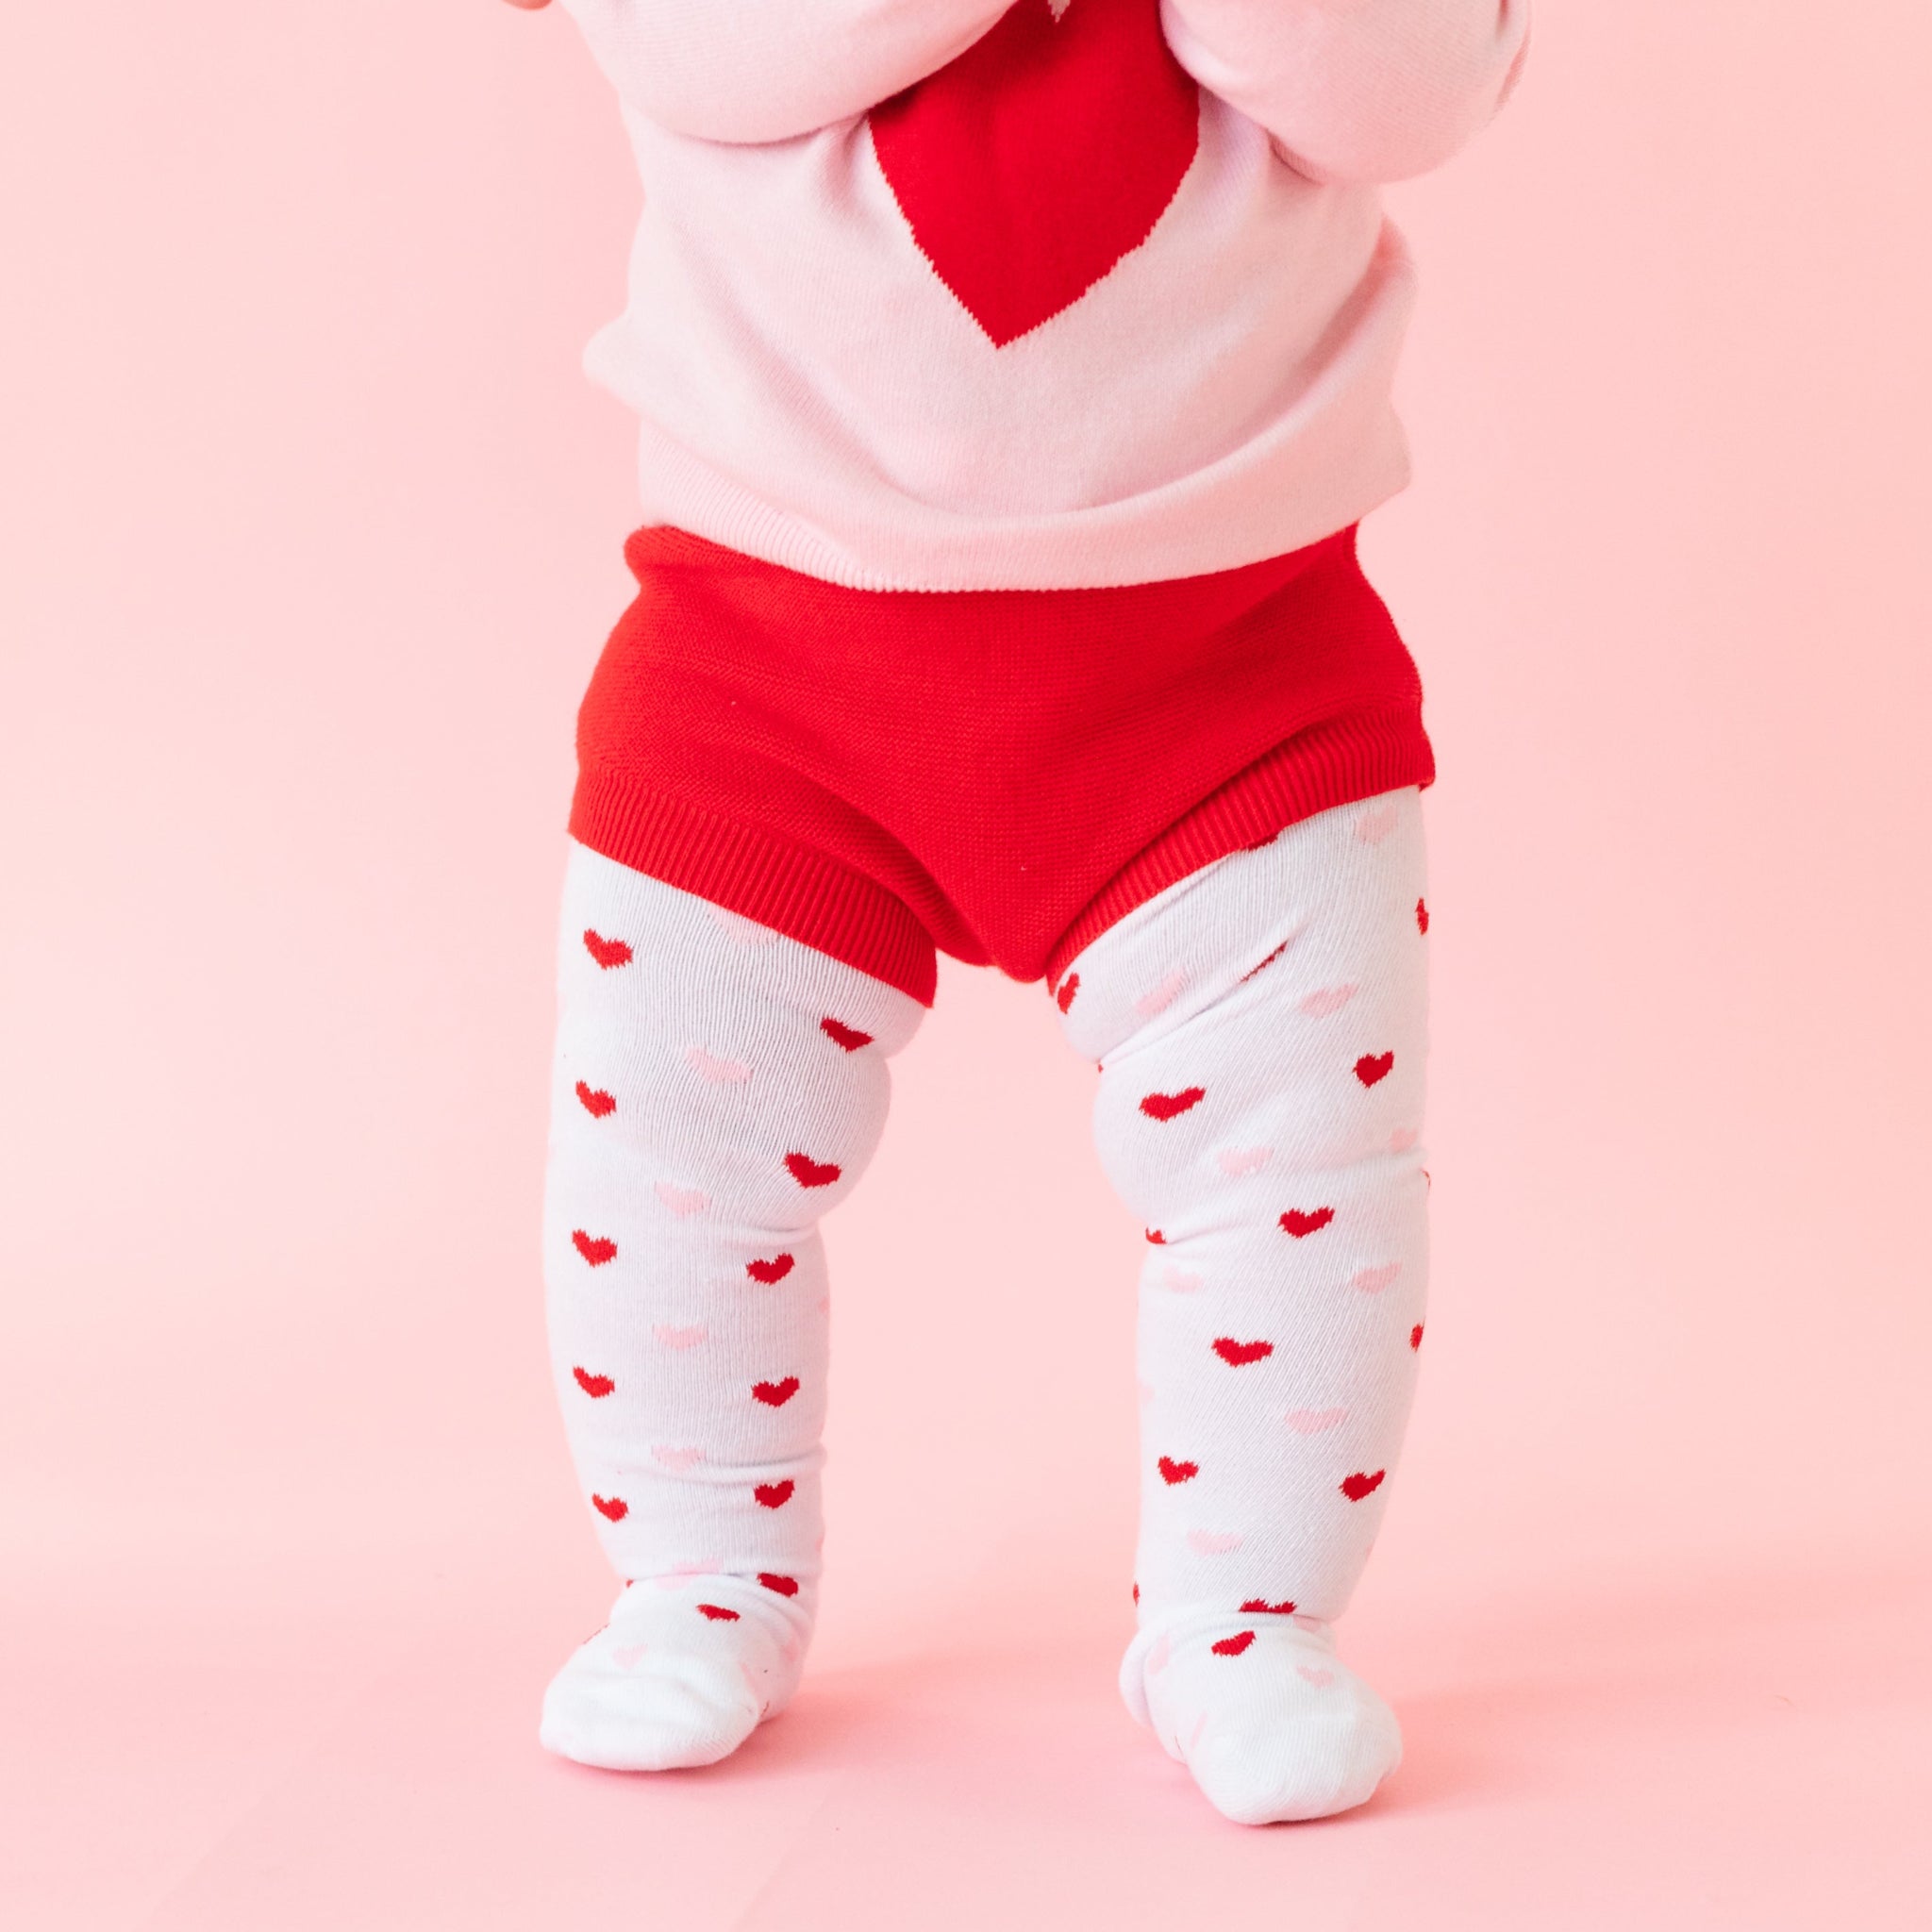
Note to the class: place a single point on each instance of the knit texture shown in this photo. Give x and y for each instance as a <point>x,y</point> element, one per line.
<point>996,774</point>
<point>1260,1032</point>
<point>954,295</point>
<point>716,1088</point>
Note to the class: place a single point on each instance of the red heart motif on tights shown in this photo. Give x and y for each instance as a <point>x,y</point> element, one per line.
<point>608,953</point>
<point>850,1038</point>
<point>1422,917</point>
<point>1358,1485</point>
<point>596,1101</point>
<point>1167,1107</point>
<point>1030,165</point>
<point>1415,1336</point>
<point>1300,1225</point>
<point>1173,1471</point>
<point>775,1270</point>
<point>808,1172</point>
<point>1239,1353</point>
<point>613,1509</point>
<point>1233,1646</point>
<point>718,1613</point>
<point>1155,1235</point>
<point>1261,1607</point>
<point>1069,986</point>
<point>775,1394</point>
<point>774,1495</point>
<point>784,1586</point>
<point>1268,962</point>
<point>596,1387</point>
<point>593,1248</point>
<point>1373,1067</point>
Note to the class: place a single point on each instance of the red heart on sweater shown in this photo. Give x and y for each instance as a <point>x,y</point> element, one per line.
<point>1300,1225</point>
<point>1373,1067</point>
<point>1167,1107</point>
<point>718,1613</point>
<point>1422,917</point>
<point>1358,1485</point>
<point>784,1586</point>
<point>1028,166</point>
<point>593,1248</point>
<point>775,1270</point>
<point>613,1509</point>
<point>596,1101</point>
<point>1173,1471</point>
<point>1069,986</point>
<point>1259,1605</point>
<point>808,1172</point>
<point>850,1038</point>
<point>1233,1646</point>
<point>775,1394</point>
<point>1239,1353</point>
<point>608,953</point>
<point>596,1387</point>
<point>774,1495</point>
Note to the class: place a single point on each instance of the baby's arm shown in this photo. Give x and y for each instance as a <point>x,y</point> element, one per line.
<point>1354,90</point>
<point>767,69</point>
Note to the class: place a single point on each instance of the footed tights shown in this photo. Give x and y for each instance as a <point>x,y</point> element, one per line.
<point>1260,1033</point>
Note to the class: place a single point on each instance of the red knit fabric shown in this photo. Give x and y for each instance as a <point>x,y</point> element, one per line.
<point>1001,774</point>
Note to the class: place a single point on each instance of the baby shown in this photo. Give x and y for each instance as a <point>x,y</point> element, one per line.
<point>1013,374</point>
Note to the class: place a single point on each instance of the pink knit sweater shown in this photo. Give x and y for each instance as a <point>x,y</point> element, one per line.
<point>954,295</point>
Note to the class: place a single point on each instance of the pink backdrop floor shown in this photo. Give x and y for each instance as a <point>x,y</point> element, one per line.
<point>311,531</point>
<point>1706,1755</point>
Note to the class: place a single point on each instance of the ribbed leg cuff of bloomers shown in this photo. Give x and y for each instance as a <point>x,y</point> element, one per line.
<point>1361,755</point>
<point>758,875</point>
<point>822,902</point>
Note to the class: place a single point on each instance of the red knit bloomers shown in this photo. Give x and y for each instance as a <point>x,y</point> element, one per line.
<point>1001,774</point>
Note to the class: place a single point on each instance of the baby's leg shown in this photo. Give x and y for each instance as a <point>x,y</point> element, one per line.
<point>1263,1030</point>
<point>717,1087</point>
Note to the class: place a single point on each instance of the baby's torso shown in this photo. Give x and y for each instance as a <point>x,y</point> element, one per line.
<point>1053,316</point>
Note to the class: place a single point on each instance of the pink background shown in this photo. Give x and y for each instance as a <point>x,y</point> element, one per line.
<point>311,531</point>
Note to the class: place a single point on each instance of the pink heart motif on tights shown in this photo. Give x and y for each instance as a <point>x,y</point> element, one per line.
<point>1331,999</point>
<point>668,1337</point>
<point>1314,1675</point>
<point>1214,1543</point>
<point>1374,826</point>
<point>718,1071</point>
<point>1161,997</point>
<point>682,1202</point>
<point>676,1459</point>
<point>1234,1161</point>
<point>626,1654</point>
<point>1313,1422</point>
<point>1373,1280</point>
<point>1178,1280</point>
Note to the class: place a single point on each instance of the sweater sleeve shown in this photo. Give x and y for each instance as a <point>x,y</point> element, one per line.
<point>1356,90</point>
<point>770,70</point>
